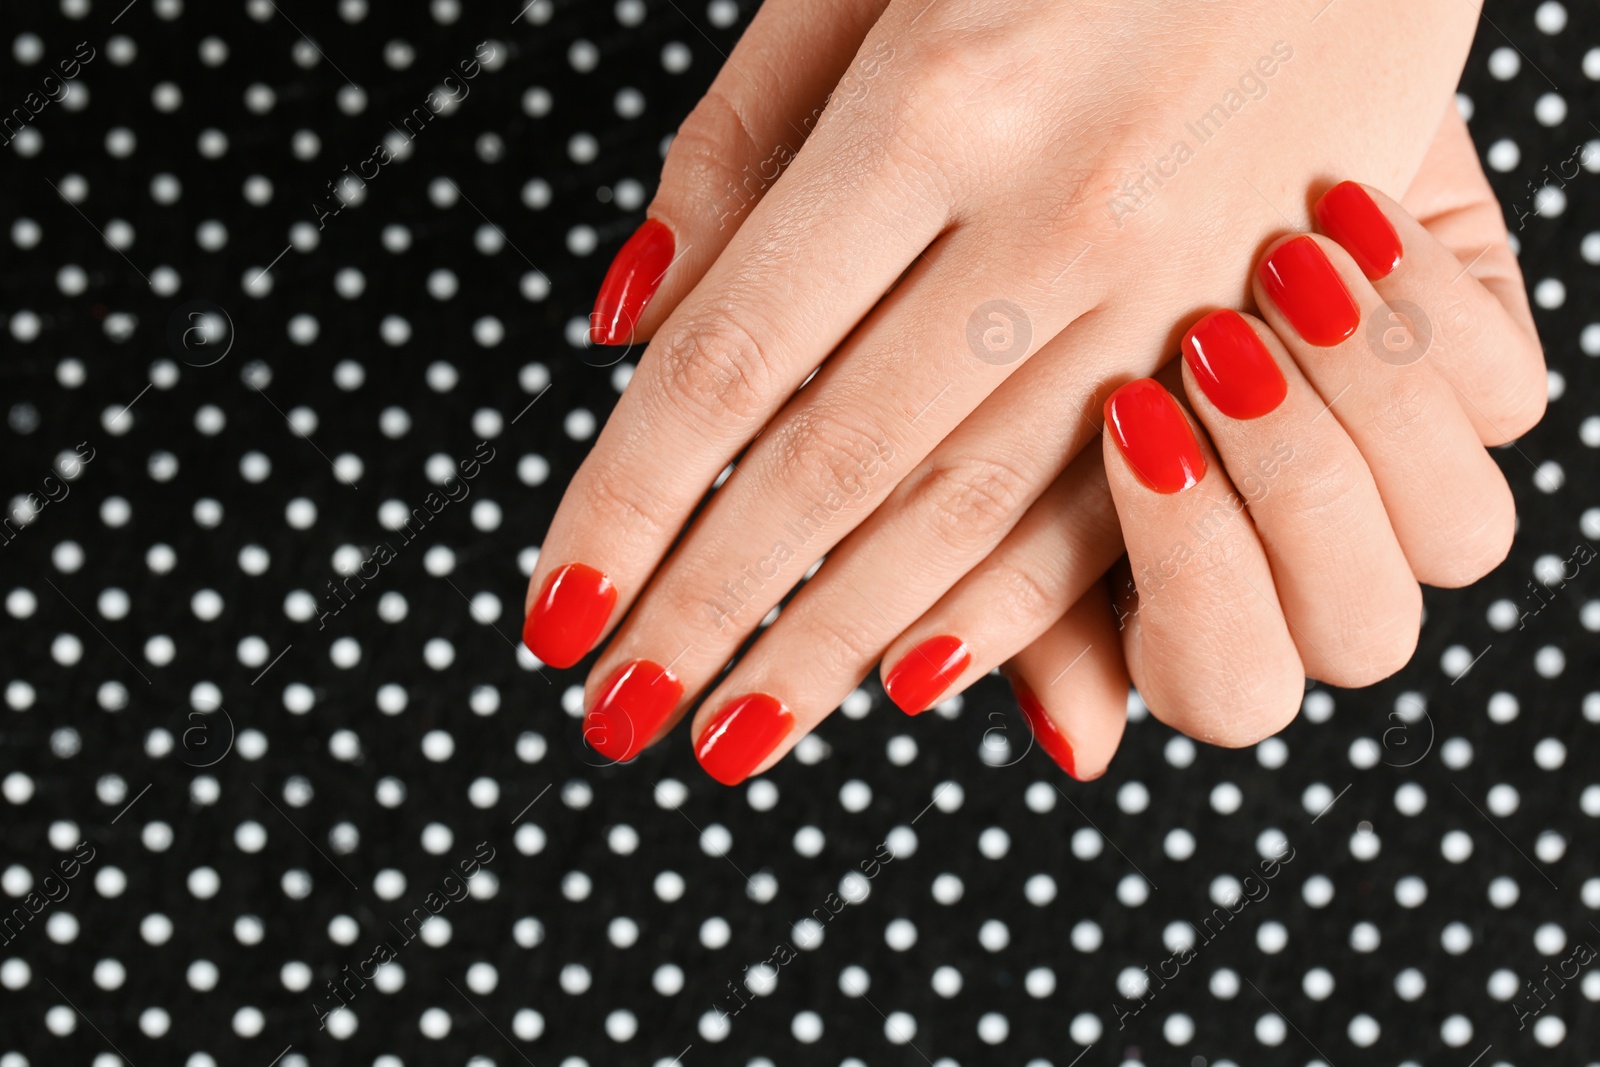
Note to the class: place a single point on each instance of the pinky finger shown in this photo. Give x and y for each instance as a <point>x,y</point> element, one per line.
<point>1072,686</point>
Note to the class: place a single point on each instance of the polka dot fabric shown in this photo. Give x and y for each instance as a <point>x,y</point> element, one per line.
<point>293,306</point>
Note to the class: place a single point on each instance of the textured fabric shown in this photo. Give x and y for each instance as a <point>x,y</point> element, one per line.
<point>233,773</point>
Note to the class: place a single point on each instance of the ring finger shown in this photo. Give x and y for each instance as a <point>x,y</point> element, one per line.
<point>1448,502</point>
<point>1346,589</point>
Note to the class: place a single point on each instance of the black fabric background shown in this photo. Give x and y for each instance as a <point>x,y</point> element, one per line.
<point>575,803</point>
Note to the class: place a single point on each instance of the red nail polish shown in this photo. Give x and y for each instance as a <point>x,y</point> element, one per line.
<point>1233,367</point>
<point>1154,437</point>
<point>1309,292</point>
<point>746,732</point>
<point>1049,736</point>
<point>926,672</point>
<point>631,706</point>
<point>571,611</point>
<point>630,283</point>
<point>1350,216</point>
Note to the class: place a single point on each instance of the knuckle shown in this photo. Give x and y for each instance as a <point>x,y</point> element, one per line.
<point>620,501</point>
<point>1375,644</point>
<point>1322,483</point>
<point>1359,668</point>
<point>713,370</point>
<point>717,116</point>
<point>1255,711</point>
<point>1477,548</point>
<point>827,460</point>
<point>1232,686</point>
<point>904,120</point>
<point>941,62</point>
<point>845,646</point>
<point>1522,411</point>
<point>944,74</point>
<point>1028,596</point>
<point>1526,415</point>
<point>972,501</point>
<point>702,160</point>
<point>1402,408</point>
<point>1124,190</point>
<point>715,606</point>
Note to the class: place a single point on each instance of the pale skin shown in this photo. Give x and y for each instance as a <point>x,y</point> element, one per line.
<point>1319,577</point>
<point>971,154</point>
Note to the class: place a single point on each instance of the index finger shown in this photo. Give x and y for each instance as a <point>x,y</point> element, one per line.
<point>719,368</point>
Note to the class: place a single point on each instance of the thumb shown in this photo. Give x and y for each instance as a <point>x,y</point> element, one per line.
<point>731,149</point>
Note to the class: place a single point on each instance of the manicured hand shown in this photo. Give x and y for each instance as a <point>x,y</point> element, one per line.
<point>1341,462</point>
<point>997,218</point>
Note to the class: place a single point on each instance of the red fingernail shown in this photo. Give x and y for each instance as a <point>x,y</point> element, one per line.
<point>630,283</point>
<point>926,672</point>
<point>1154,437</point>
<point>742,736</point>
<point>1049,736</point>
<point>1233,367</point>
<point>1348,215</point>
<point>571,611</point>
<point>1309,292</point>
<point>631,707</point>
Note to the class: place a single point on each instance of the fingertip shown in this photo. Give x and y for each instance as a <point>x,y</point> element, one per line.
<point>1350,214</point>
<point>1476,550</point>
<point>1233,367</point>
<point>1154,437</point>
<point>630,708</point>
<point>567,617</point>
<point>1232,686</point>
<point>631,282</point>
<point>1246,727</point>
<point>924,674</point>
<point>1300,279</point>
<point>1055,742</point>
<point>741,737</point>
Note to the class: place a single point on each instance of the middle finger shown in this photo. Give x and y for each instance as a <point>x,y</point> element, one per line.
<point>893,391</point>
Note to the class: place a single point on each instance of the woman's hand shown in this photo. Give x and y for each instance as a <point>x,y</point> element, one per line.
<point>1350,469</point>
<point>998,216</point>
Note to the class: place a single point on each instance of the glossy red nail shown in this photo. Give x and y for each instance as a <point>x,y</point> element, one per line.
<point>1300,280</point>
<point>572,609</point>
<point>1233,367</point>
<point>630,283</point>
<point>1154,437</point>
<point>630,708</point>
<point>926,672</point>
<point>1350,216</point>
<point>746,732</point>
<point>1049,736</point>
